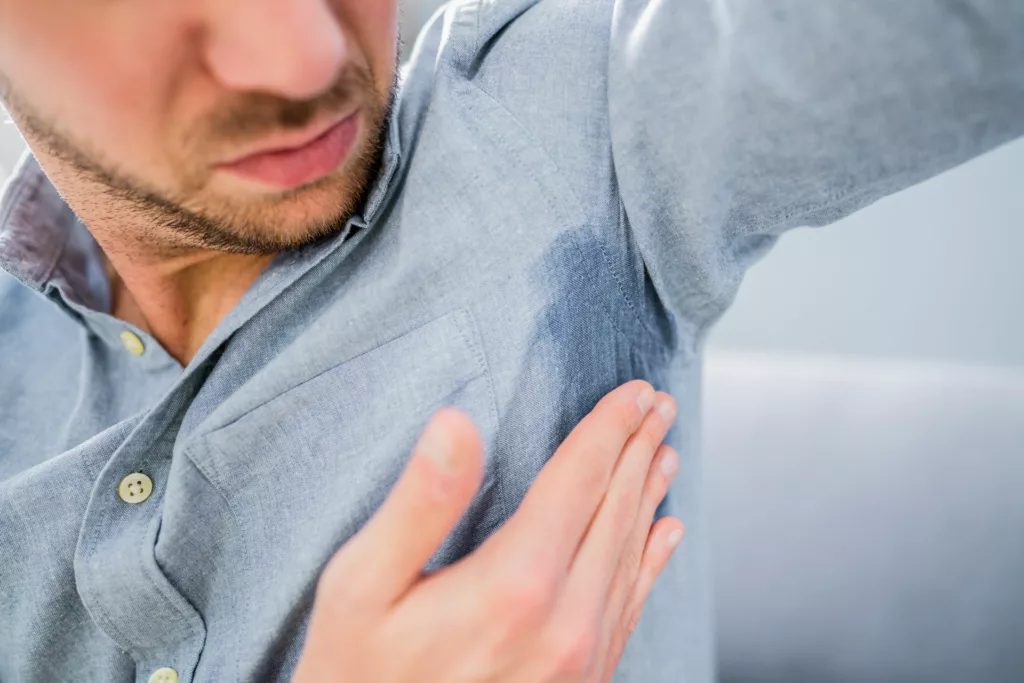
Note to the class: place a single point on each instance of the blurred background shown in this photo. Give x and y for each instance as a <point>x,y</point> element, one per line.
<point>864,439</point>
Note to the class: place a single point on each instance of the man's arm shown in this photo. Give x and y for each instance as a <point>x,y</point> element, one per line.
<point>734,120</point>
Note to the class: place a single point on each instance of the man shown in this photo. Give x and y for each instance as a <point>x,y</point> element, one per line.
<point>260,274</point>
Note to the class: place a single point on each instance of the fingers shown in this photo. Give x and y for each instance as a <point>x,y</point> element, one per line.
<point>561,503</point>
<point>660,476</point>
<point>600,554</point>
<point>662,541</point>
<point>387,556</point>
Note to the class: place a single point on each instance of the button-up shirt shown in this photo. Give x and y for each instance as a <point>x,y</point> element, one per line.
<point>570,193</point>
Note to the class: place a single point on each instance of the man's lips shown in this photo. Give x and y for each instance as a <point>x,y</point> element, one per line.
<point>292,167</point>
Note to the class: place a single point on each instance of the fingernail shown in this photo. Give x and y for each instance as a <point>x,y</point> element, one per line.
<point>672,540</point>
<point>646,399</point>
<point>667,409</point>
<point>436,444</point>
<point>669,463</point>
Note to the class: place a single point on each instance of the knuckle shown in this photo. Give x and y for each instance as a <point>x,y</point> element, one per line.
<point>573,652</point>
<point>593,472</point>
<point>648,440</point>
<point>623,526</point>
<point>624,507</point>
<point>524,598</point>
<point>632,556</point>
<point>653,433</point>
<point>628,418</point>
<point>617,420</point>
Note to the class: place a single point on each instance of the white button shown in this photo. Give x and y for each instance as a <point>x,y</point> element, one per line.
<point>135,488</point>
<point>164,675</point>
<point>132,342</point>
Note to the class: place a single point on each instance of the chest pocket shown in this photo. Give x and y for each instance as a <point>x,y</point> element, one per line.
<point>303,471</point>
<point>337,440</point>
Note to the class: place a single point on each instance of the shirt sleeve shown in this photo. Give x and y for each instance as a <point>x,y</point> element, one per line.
<point>734,120</point>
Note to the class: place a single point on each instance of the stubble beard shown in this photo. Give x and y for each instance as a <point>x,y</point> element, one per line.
<point>177,223</point>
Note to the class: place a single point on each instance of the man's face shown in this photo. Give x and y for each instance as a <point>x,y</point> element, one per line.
<point>243,125</point>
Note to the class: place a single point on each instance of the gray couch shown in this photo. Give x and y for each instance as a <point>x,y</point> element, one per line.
<point>869,518</point>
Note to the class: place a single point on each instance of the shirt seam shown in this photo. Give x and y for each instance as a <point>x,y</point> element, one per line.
<point>187,452</point>
<point>613,271</point>
<point>485,371</point>
<point>323,372</point>
<point>104,523</point>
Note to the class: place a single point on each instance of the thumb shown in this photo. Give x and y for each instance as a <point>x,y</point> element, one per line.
<point>387,556</point>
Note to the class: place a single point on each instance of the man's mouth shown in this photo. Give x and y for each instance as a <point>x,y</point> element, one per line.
<point>309,156</point>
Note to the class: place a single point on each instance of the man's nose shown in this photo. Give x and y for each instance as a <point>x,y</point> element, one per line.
<point>291,48</point>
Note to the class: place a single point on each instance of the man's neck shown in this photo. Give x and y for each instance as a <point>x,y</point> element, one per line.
<point>176,293</point>
<point>180,299</point>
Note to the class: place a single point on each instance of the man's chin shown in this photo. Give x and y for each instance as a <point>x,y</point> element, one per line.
<point>279,221</point>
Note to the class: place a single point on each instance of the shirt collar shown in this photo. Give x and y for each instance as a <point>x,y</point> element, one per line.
<point>43,244</point>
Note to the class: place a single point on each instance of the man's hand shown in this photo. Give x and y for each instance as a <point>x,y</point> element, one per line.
<point>552,596</point>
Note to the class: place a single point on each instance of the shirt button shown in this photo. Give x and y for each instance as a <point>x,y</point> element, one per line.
<point>164,675</point>
<point>135,488</point>
<point>132,342</point>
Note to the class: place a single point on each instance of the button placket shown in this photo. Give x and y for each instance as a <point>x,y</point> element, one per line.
<point>116,573</point>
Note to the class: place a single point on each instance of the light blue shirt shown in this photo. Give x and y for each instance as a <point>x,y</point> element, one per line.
<point>572,190</point>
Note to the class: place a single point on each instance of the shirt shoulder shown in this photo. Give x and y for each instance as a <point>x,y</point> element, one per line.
<point>545,61</point>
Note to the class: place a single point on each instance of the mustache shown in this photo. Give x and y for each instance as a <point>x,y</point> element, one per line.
<point>254,115</point>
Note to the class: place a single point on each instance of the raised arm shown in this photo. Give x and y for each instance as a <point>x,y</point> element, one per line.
<point>734,120</point>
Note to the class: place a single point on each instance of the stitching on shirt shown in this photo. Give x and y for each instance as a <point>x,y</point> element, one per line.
<point>379,347</point>
<point>27,191</point>
<point>96,606</point>
<point>897,180</point>
<point>485,370</point>
<point>235,515</point>
<point>59,255</point>
<point>157,578</point>
<point>161,583</point>
<point>554,209</point>
<point>111,624</point>
<point>623,293</point>
<point>774,229</point>
<point>63,236</point>
<point>92,540</point>
<point>623,218</point>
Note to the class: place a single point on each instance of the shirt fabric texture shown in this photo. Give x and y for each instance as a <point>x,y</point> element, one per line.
<point>571,192</point>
